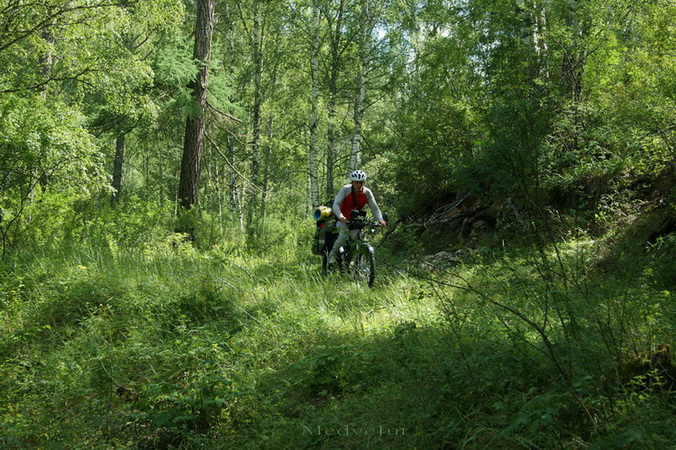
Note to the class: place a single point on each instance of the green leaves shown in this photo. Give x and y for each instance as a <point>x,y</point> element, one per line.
<point>47,141</point>
<point>173,63</point>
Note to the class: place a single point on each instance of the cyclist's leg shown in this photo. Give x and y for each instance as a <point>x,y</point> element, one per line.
<point>343,233</point>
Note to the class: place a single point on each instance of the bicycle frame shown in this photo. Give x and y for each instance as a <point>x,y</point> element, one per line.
<point>358,256</point>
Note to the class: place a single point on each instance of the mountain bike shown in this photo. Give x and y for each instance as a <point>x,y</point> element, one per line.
<point>357,257</point>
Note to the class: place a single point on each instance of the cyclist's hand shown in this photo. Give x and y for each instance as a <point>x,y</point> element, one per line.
<point>383,223</point>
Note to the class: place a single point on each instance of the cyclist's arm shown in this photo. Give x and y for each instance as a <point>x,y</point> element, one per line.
<point>342,193</point>
<point>373,205</point>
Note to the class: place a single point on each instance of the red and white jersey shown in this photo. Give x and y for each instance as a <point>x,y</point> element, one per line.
<point>346,202</point>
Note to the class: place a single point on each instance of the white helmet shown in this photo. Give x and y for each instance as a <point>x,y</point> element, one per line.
<point>358,175</point>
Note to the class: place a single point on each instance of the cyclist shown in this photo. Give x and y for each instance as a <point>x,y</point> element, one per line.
<point>351,197</point>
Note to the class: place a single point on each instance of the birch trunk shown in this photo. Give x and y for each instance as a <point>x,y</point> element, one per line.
<point>331,147</point>
<point>234,200</point>
<point>47,64</point>
<point>314,121</point>
<point>364,49</point>
<point>334,73</point>
<point>266,167</point>
<point>257,42</point>
<point>117,170</point>
<point>539,31</point>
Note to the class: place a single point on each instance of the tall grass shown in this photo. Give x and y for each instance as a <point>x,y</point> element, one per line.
<point>166,345</point>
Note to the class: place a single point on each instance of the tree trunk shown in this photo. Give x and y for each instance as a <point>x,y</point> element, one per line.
<point>360,94</point>
<point>233,187</point>
<point>331,146</point>
<point>217,177</point>
<point>314,121</point>
<point>574,56</point>
<point>355,153</point>
<point>256,118</point>
<point>188,190</point>
<point>572,69</point>
<point>539,30</point>
<point>117,170</point>
<point>235,203</point>
<point>266,168</point>
<point>334,73</point>
<point>47,64</point>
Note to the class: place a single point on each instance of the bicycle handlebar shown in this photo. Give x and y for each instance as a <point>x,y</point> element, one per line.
<point>359,223</point>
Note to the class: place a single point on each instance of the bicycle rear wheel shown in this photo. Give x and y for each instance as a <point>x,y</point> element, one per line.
<point>364,265</point>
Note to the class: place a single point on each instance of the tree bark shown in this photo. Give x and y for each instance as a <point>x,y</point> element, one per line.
<point>193,144</point>
<point>235,203</point>
<point>314,121</point>
<point>334,73</point>
<point>360,94</point>
<point>539,18</point>
<point>47,64</point>
<point>117,170</point>
<point>232,160</point>
<point>574,57</point>
<point>257,42</point>
<point>331,146</point>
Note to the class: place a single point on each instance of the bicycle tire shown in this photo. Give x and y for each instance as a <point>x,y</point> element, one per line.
<point>364,265</point>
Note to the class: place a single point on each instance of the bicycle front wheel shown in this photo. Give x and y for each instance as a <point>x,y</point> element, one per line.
<point>364,265</point>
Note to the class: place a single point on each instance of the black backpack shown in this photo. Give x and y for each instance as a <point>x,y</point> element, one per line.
<point>324,237</point>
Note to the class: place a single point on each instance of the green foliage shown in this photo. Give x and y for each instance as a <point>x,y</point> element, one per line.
<point>662,266</point>
<point>51,161</point>
<point>571,114</point>
<point>175,69</point>
<point>117,331</point>
<point>441,138</point>
<point>184,410</point>
<point>47,138</point>
<point>151,342</point>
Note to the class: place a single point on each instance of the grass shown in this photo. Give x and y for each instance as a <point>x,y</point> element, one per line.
<point>168,346</point>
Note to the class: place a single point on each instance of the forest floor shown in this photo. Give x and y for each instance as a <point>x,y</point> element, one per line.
<point>491,347</point>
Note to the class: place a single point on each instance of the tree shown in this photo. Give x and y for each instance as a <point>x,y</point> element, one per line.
<point>338,44</point>
<point>257,37</point>
<point>364,50</point>
<point>188,190</point>
<point>61,62</point>
<point>314,119</point>
<point>117,170</point>
<point>231,157</point>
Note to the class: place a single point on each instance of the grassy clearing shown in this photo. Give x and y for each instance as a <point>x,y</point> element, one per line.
<point>170,346</point>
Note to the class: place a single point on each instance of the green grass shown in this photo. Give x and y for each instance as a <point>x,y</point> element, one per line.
<point>168,346</point>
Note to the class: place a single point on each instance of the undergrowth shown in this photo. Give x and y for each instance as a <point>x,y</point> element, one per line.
<point>164,345</point>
